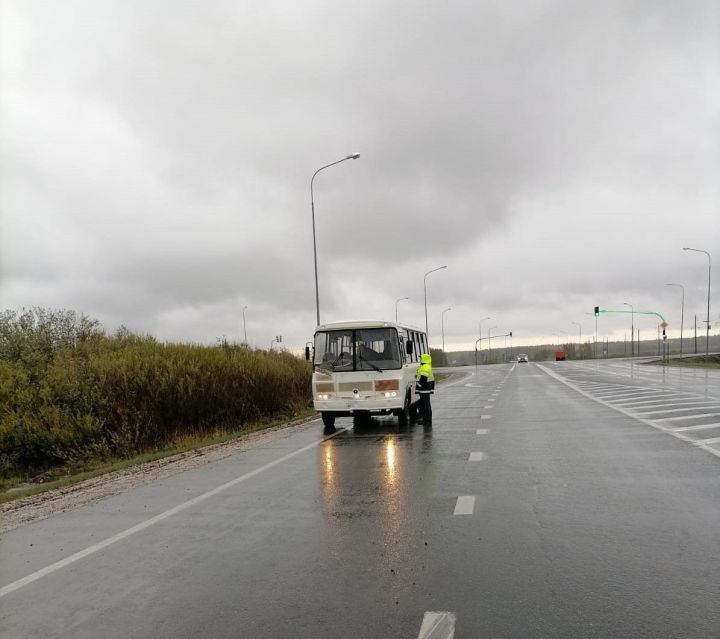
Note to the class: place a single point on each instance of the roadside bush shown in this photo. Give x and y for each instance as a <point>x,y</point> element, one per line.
<point>68,391</point>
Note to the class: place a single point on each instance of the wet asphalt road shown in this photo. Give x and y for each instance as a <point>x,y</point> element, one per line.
<point>582,522</point>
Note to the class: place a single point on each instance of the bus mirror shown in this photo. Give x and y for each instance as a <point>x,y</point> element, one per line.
<point>409,347</point>
<point>307,353</point>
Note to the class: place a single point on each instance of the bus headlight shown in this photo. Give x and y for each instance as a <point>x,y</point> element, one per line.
<point>323,396</point>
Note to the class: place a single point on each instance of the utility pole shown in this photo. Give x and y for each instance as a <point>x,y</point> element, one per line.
<point>595,335</point>
<point>682,315</point>
<point>707,321</point>
<point>695,333</point>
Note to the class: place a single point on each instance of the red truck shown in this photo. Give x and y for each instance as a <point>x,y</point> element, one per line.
<point>559,356</point>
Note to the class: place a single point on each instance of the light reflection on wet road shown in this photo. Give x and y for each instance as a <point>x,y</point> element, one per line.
<point>584,523</point>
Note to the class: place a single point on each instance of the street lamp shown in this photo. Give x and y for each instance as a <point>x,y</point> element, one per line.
<point>480,329</point>
<point>244,325</point>
<point>442,324</point>
<point>480,326</point>
<point>439,268</point>
<point>707,322</point>
<point>352,156</point>
<point>682,314</point>
<point>579,331</point>
<point>396,305</point>
<point>632,330</point>
<point>490,330</point>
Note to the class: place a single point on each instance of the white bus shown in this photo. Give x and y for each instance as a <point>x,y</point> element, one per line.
<point>366,367</point>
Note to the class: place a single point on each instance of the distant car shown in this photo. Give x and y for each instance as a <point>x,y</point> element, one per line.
<point>522,358</point>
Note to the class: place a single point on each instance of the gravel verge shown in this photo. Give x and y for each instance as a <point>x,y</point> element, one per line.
<point>26,510</point>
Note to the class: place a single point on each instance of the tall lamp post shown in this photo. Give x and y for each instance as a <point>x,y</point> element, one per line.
<point>442,324</point>
<point>439,268</point>
<point>244,325</point>
<point>632,329</point>
<point>352,156</point>
<point>707,322</point>
<point>396,305</point>
<point>480,330</point>
<point>490,330</point>
<point>682,314</point>
<point>579,334</point>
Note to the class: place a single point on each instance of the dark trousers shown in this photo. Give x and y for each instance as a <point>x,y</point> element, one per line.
<point>426,408</point>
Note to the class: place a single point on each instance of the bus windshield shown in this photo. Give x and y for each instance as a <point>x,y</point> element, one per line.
<point>365,349</point>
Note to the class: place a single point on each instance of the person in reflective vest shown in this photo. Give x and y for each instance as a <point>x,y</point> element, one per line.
<point>425,386</point>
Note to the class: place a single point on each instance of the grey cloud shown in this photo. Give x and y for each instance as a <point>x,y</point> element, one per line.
<point>156,158</point>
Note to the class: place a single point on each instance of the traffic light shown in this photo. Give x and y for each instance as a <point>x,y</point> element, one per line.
<point>597,311</point>
<point>510,333</point>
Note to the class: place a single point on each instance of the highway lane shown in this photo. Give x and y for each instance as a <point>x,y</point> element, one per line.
<point>573,520</point>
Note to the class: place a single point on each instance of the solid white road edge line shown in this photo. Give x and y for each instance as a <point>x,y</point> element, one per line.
<point>437,625</point>
<point>619,409</point>
<point>465,505</point>
<point>43,572</point>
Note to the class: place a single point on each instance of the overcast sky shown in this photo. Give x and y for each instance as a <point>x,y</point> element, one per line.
<point>156,159</point>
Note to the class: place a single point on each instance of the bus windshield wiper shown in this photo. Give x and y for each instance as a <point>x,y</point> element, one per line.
<point>362,359</point>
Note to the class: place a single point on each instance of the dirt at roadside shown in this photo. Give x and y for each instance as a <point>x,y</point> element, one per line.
<point>35,507</point>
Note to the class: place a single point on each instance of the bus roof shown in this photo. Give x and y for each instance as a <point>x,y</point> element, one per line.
<point>355,324</point>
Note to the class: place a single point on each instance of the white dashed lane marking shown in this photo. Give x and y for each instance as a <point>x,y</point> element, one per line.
<point>465,505</point>
<point>437,625</point>
<point>476,456</point>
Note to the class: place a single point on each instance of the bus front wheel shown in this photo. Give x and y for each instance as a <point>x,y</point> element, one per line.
<point>328,420</point>
<point>405,413</point>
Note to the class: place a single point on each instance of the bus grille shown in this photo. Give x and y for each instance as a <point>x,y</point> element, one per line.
<point>349,387</point>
